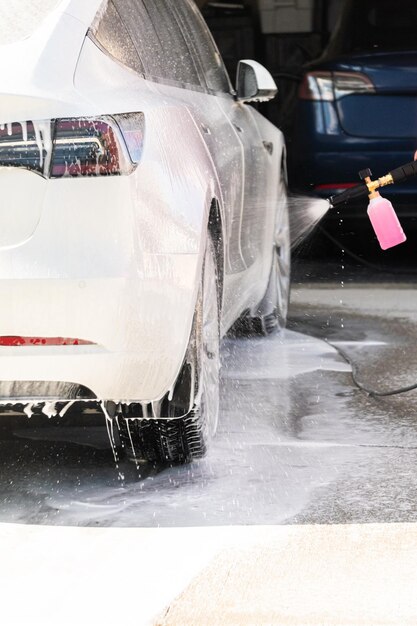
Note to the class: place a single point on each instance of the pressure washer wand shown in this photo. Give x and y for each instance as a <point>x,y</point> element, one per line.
<point>399,175</point>
<point>380,210</point>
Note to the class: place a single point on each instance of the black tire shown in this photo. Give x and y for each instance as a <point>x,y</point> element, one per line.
<point>184,435</point>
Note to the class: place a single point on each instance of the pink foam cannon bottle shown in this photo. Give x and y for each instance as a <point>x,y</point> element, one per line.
<point>383,218</point>
<point>381,213</point>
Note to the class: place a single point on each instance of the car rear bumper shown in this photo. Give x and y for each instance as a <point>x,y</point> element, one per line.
<point>132,354</point>
<point>97,268</point>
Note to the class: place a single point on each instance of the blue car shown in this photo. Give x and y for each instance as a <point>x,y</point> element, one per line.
<point>357,104</point>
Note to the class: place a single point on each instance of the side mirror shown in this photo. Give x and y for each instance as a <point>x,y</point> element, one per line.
<point>254,83</point>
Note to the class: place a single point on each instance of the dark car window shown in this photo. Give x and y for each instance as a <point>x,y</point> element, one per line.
<point>147,45</point>
<point>113,37</point>
<point>202,45</point>
<point>378,25</point>
<point>158,40</point>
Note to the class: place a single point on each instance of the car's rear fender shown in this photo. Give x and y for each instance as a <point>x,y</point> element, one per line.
<point>118,263</point>
<point>176,184</point>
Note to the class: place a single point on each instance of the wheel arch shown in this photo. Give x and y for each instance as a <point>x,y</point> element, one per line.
<point>216,232</point>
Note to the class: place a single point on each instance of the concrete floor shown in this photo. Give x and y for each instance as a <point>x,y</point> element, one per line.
<point>298,445</point>
<point>297,441</point>
<point>356,575</point>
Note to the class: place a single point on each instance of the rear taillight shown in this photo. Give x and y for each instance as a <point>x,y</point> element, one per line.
<point>72,147</point>
<point>329,86</point>
<point>20,146</point>
<point>17,341</point>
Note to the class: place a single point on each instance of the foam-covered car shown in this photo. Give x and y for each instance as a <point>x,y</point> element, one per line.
<point>143,211</point>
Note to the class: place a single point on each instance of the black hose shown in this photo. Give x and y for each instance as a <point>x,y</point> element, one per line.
<point>374,393</point>
<point>364,262</point>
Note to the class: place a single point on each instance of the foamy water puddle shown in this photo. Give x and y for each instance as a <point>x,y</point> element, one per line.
<point>283,356</point>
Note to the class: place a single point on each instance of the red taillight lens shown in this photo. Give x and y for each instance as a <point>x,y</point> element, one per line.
<point>72,147</point>
<point>316,86</point>
<point>329,86</point>
<point>17,341</point>
<point>85,148</point>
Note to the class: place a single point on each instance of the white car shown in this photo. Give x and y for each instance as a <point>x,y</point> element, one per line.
<point>143,211</point>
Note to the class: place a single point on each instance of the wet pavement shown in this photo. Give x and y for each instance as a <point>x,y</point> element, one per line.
<point>298,443</point>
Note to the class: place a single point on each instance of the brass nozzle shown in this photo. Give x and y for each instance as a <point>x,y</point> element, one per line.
<point>373,185</point>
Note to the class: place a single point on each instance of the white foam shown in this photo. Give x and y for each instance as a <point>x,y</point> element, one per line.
<point>20,18</point>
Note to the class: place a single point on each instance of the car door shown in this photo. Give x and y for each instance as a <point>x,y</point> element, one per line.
<point>156,29</point>
<point>161,32</point>
<point>221,136</point>
<point>254,221</point>
<point>250,225</point>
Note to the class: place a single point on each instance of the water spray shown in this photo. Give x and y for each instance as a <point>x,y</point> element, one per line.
<point>383,218</point>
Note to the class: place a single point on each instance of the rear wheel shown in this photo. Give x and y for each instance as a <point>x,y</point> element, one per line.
<point>277,295</point>
<point>192,412</point>
<point>271,313</point>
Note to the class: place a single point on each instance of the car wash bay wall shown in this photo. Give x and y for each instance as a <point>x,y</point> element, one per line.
<point>284,35</point>
<point>294,32</point>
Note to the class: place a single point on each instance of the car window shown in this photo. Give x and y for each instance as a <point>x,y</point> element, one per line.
<point>113,37</point>
<point>374,24</point>
<point>202,44</point>
<point>159,41</point>
<point>21,18</point>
